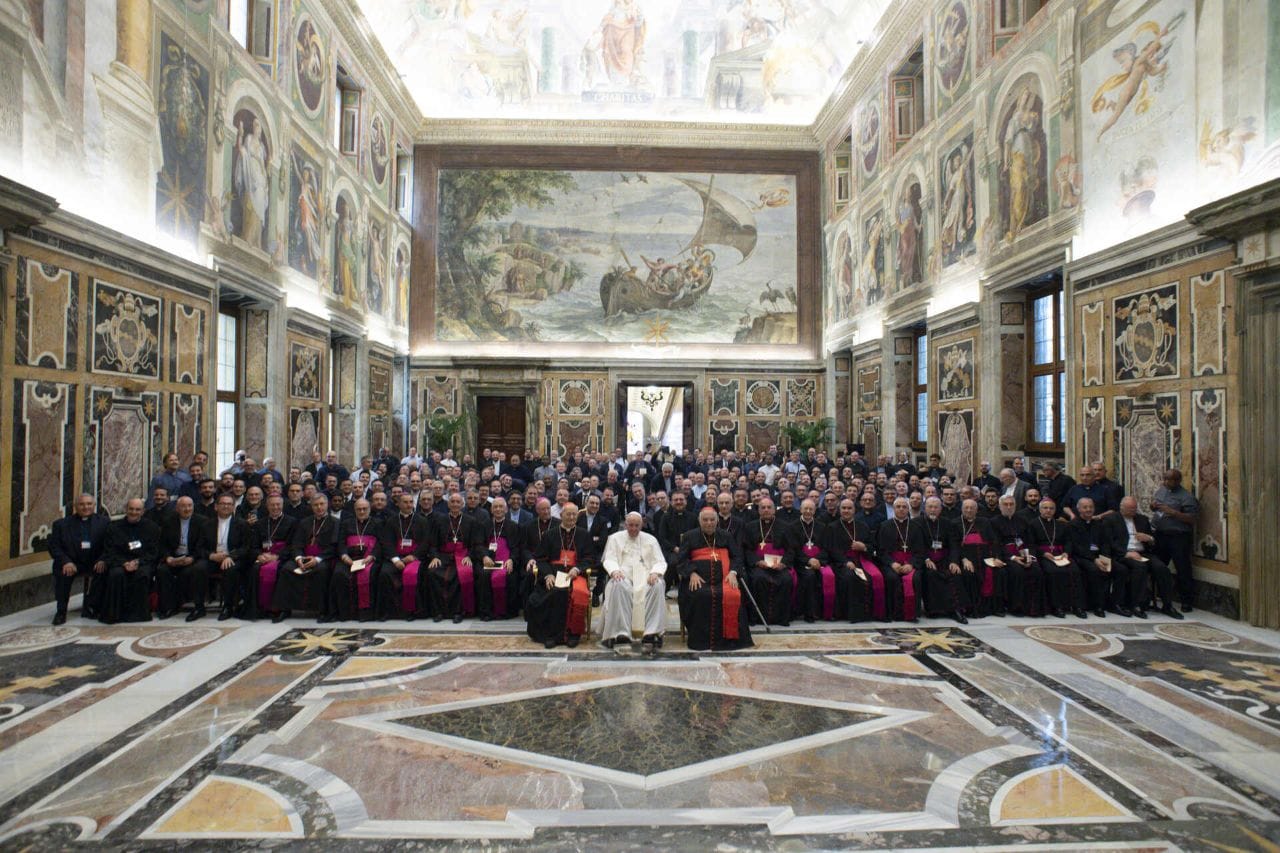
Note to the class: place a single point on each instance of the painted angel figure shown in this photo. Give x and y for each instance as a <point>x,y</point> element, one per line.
<point>1138,67</point>
<point>251,180</point>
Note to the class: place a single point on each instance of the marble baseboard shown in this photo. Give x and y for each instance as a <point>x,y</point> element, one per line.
<point>26,593</point>
<point>1222,600</point>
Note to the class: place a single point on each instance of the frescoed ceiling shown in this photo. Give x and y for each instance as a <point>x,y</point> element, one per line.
<point>756,61</point>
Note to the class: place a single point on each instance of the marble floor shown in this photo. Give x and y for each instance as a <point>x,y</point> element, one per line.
<point>1037,734</point>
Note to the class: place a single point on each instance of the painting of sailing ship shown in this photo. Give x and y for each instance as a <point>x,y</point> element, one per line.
<point>650,258</point>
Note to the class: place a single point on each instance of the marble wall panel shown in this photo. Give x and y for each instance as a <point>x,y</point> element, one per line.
<point>46,315</point>
<point>1013,374</point>
<point>572,435</point>
<point>954,371</point>
<point>763,397</point>
<point>186,344</point>
<point>802,398</point>
<point>904,381</point>
<point>257,345</point>
<point>1146,438</point>
<point>346,356</point>
<point>379,433</point>
<point>43,447</point>
<point>1094,424</point>
<point>345,424</point>
<point>842,412</point>
<point>186,423</point>
<point>304,370</point>
<point>126,331</point>
<point>761,434</point>
<point>1209,464</point>
<point>722,397</point>
<point>304,435</point>
<point>1092,333</point>
<point>573,397</point>
<point>1146,334</point>
<point>128,431</point>
<point>253,431</point>
<point>955,443</point>
<point>379,386</point>
<point>723,433</point>
<point>869,435</point>
<point>441,395</point>
<point>1208,324</point>
<point>869,388</point>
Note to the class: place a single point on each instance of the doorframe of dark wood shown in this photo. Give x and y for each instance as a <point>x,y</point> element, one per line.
<point>690,407</point>
<point>532,406</point>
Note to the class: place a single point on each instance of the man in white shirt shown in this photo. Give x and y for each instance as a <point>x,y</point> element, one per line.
<point>634,563</point>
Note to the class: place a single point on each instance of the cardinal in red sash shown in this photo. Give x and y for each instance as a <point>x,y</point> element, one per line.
<point>560,603</point>
<point>711,602</point>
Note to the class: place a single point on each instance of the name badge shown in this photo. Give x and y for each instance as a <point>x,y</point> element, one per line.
<point>493,545</point>
<point>406,543</point>
<point>937,545</point>
<point>135,545</point>
<point>1093,547</point>
<point>268,545</point>
<point>86,545</point>
<point>1017,540</point>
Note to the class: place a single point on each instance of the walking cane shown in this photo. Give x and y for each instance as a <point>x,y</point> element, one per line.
<point>746,587</point>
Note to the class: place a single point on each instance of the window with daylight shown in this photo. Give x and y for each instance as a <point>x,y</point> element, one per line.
<point>907,91</point>
<point>250,24</point>
<point>404,182</point>
<point>922,392</point>
<point>842,174</point>
<point>347,108</point>
<point>227,404</point>
<point>1047,369</point>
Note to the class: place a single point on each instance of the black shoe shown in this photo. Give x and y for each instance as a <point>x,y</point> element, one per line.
<point>198,613</point>
<point>457,617</point>
<point>1081,614</point>
<point>411,617</point>
<point>437,618</point>
<point>1124,611</point>
<point>486,618</point>
<point>609,643</point>
<point>59,618</point>
<point>325,619</point>
<point>809,619</point>
<point>550,644</point>
<point>1140,613</point>
<point>1058,614</point>
<point>572,641</point>
<point>960,617</point>
<point>999,613</point>
<point>1171,613</point>
<point>280,617</point>
<point>1100,613</point>
<point>88,613</point>
<point>595,601</point>
<point>1187,608</point>
<point>164,614</point>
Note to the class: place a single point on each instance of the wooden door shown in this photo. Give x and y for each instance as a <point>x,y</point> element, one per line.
<point>500,424</point>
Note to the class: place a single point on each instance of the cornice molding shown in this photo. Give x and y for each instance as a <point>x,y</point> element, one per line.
<point>1246,212</point>
<point>649,134</point>
<point>21,206</point>
<point>364,45</point>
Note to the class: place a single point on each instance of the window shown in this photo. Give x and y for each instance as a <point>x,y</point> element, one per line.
<point>1045,344</point>
<point>842,174</point>
<point>1014,14</point>
<point>404,182</point>
<point>907,89</point>
<point>922,391</point>
<point>226,413</point>
<point>250,24</point>
<point>347,108</point>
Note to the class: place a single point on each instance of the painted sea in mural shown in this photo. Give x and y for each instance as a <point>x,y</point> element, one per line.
<point>616,257</point>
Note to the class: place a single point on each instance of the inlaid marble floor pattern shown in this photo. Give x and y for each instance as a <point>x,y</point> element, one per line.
<point>1036,734</point>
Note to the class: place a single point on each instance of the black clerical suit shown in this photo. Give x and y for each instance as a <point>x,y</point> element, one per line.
<point>453,539</point>
<point>176,583</point>
<point>312,537</point>
<point>129,550</point>
<point>78,541</point>
<point>1090,540</point>
<point>772,587</point>
<point>402,542</point>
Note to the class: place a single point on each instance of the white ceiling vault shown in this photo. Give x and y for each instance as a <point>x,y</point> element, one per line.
<point>694,61</point>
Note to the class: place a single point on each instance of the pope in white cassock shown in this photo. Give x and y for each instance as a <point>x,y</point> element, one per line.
<point>634,563</point>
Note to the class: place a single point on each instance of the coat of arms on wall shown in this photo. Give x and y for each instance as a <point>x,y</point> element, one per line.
<point>1146,337</point>
<point>304,371</point>
<point>955,371</point>
<point>126,332</point>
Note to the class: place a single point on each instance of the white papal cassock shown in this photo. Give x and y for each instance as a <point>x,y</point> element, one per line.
<point>637,558</point>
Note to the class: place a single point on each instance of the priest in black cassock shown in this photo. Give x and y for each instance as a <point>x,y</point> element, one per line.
<point>935,551</point>
<point>986,583</point>
<point>711,603</point>
<point>498,581</point>
<point>130,549</point>
<point>271,538</point>
<point>1022,569</point>
<point>764,548</point>
<point>557,612</point>
<point>868,592</point>
<point>303,581</point>
<point>457,551</point>
<point>355,572</point>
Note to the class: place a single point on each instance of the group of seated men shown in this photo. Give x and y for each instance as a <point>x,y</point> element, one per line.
<point>812,538</point>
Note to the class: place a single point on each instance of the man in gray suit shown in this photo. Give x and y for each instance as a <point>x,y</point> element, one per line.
<point>1011,484</point>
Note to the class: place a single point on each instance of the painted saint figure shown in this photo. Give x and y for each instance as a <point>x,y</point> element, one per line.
<point>1022,161</point>
<point>619,45</point>
<point>910,246</point>
<point>250,180</point>
<point>957,203</point>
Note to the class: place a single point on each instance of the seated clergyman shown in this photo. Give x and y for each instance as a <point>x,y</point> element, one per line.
<point>635,567</point>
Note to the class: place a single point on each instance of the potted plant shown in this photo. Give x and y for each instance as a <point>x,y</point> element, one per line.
<point>801,435</point>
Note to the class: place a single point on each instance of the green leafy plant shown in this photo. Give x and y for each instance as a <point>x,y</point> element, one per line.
<point>801,435</point>
<point>443,430</point>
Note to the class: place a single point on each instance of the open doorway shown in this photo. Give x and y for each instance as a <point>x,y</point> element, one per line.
<point>652,415</point>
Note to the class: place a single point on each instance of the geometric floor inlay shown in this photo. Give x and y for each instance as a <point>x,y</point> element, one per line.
<point>638,727</point>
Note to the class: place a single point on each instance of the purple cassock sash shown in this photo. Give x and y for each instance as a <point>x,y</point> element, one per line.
<point>908,584</point>
<point>767,549</point>
<point>466,576</point>
<point>988,574</point>
<point>408,578</point>
<point>828,578</point>
<point>366,545</point>
<point>267,577</point>
<point>877,582</point>
<point>498,577</point>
